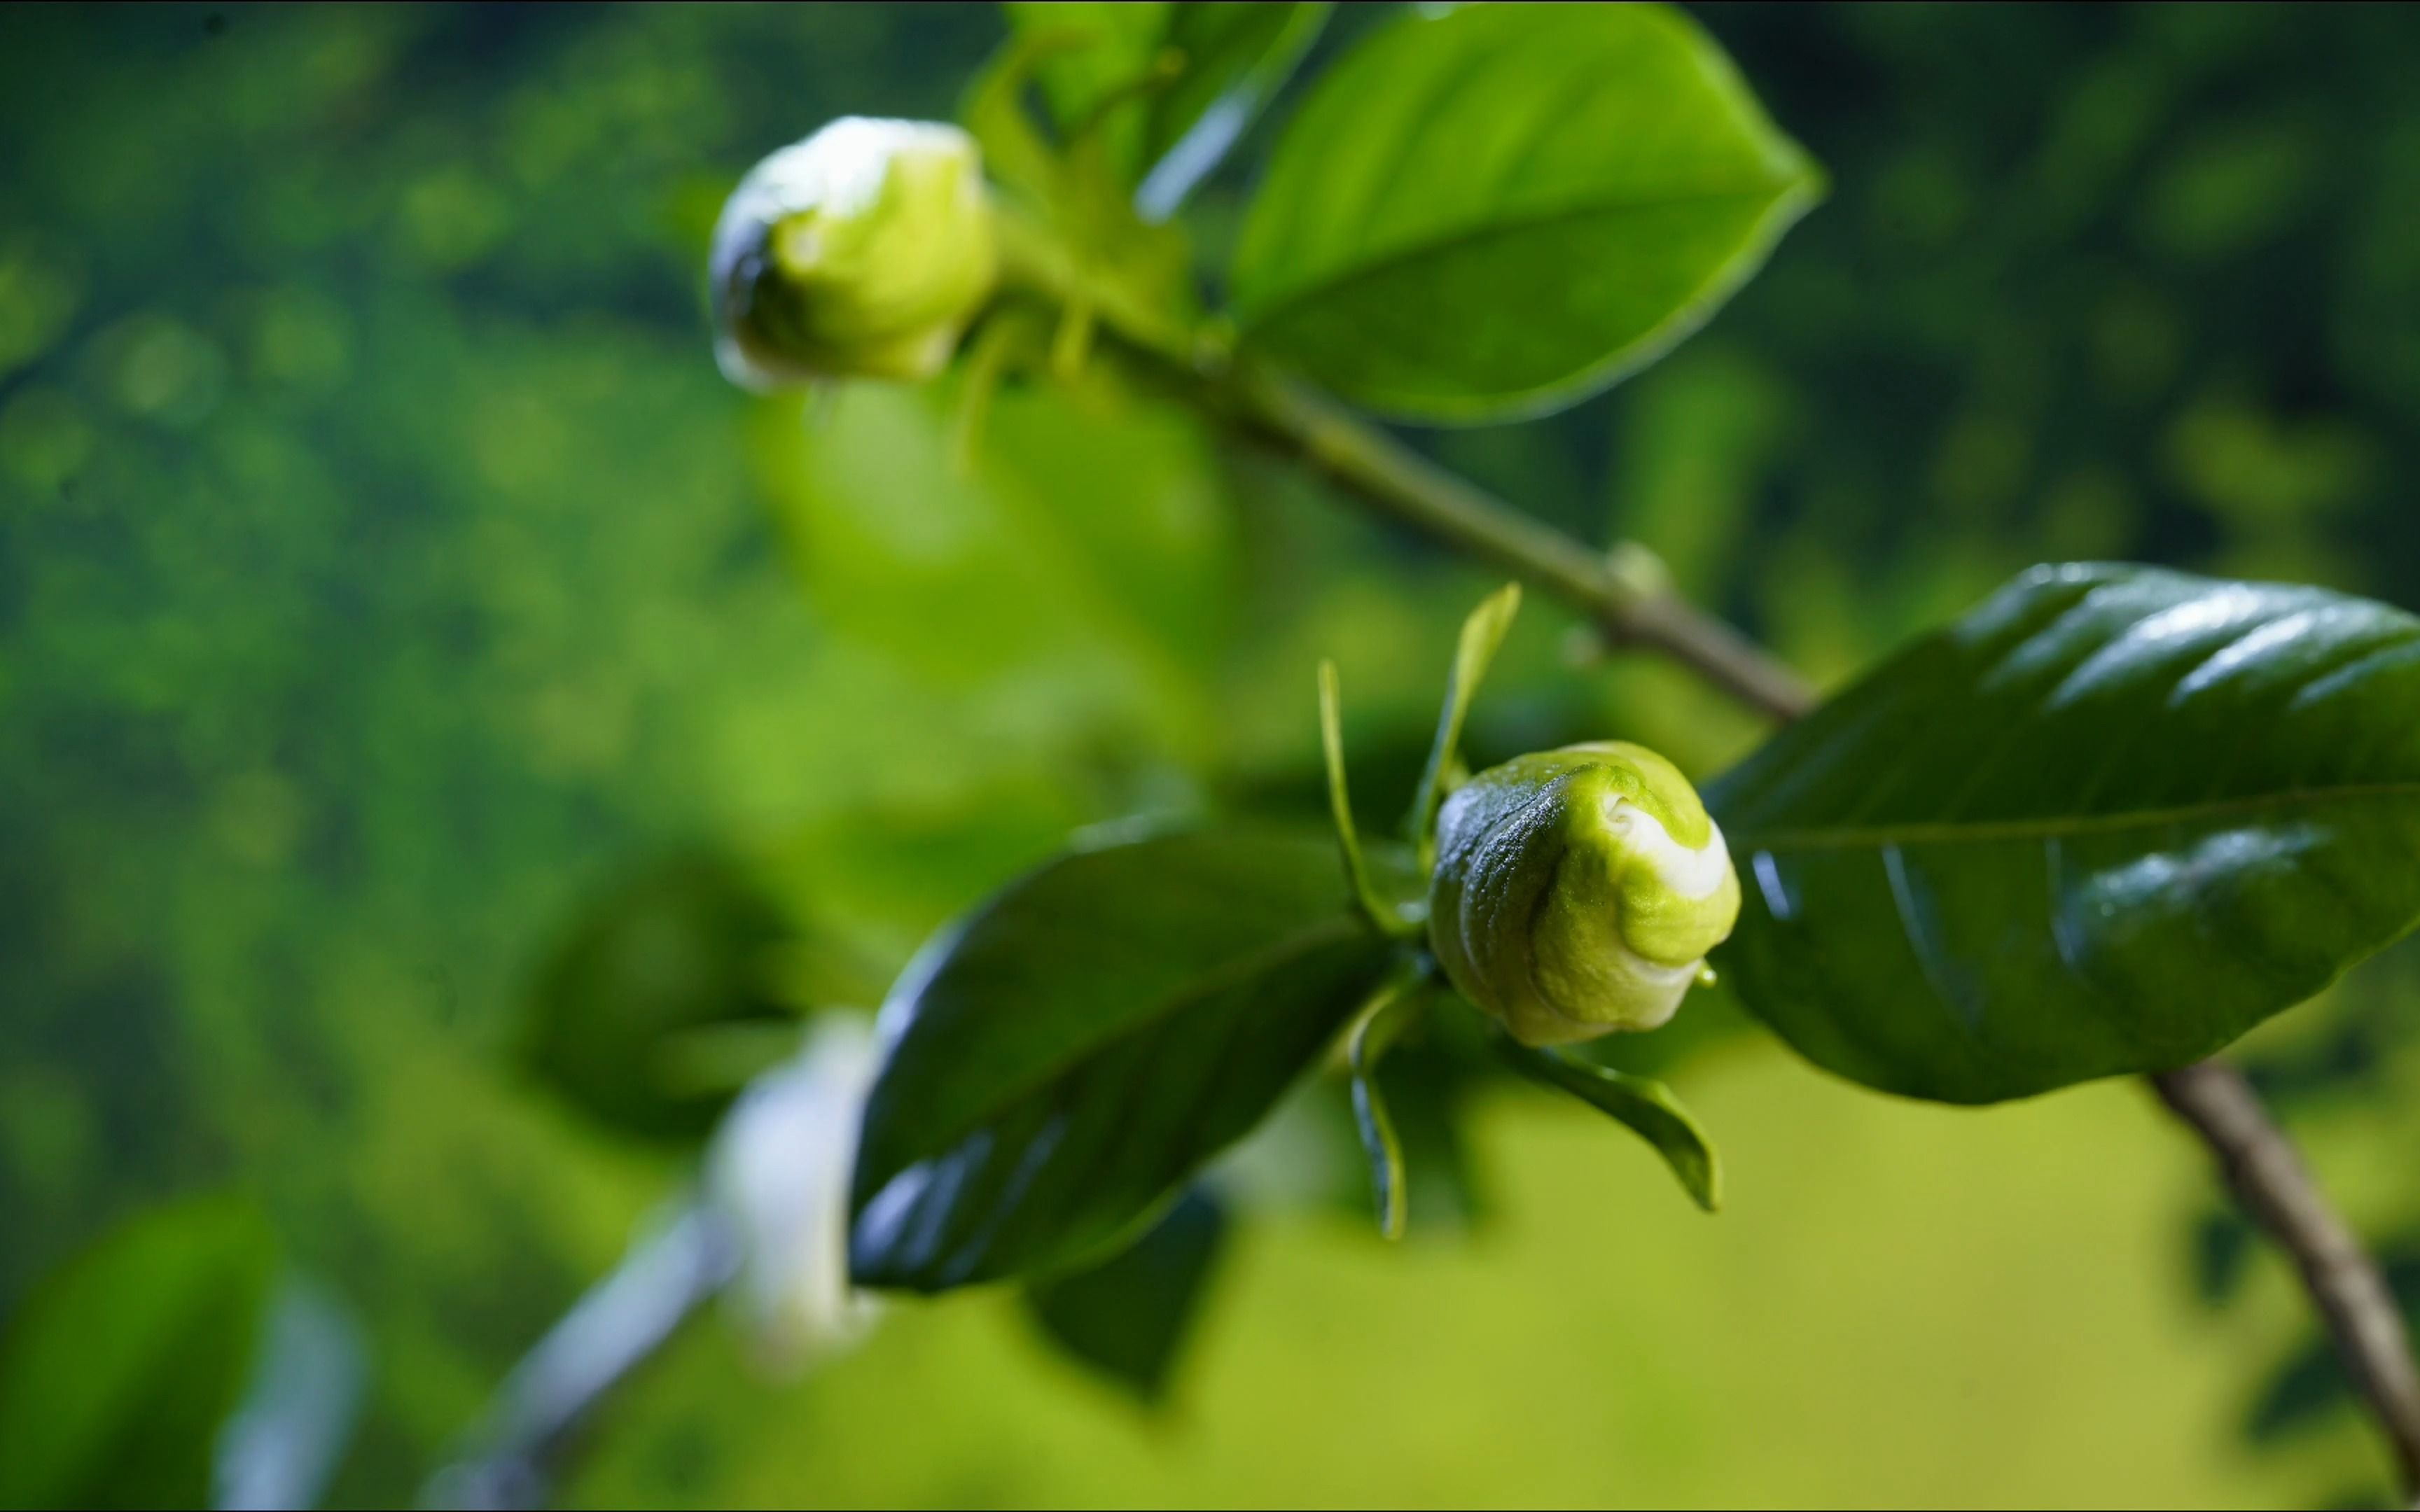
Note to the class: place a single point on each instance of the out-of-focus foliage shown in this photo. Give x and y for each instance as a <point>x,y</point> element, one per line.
<point>385,572</point>
<point>1131,1317</point>
<point>117,1372</point>
<point>663,1000</point>
<point>1197,74</point>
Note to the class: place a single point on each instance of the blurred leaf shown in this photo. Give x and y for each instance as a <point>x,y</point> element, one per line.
<point>1091,56</point>
<point>2299,1394</point>
<point>2350,1058</point>
<point>1195,74</point>
<point>1647,1108</point>
<point>1083,558</point>
<point>1129,1317</point>
<point>1503,209</point>
<point>2222,1254</point>
<point>1236,57</point>
<point>2309,1384</point>
<point>2230,189</point>
<point>1099,65</point>
<point>663,1000</point>
<point>2106,822</point>
<point>1067,1057</point>
<point>118,1370</point>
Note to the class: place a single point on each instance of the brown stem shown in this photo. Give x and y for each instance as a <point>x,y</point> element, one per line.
<point>2213,1099</point>
<point>1401,485</point>
<point>2269,1179</point>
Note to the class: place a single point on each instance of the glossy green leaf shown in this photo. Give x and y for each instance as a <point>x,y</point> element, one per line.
<point>118,1370</point>
<point>1169,85</point>
<point>2106,822</point>
<point>1068,1057</point>
<point>1129,1317</point>
<point>1504,208</point>
<point>1645,1106</point>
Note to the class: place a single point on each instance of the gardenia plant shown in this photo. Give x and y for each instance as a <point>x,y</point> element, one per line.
<point>2104,825</point>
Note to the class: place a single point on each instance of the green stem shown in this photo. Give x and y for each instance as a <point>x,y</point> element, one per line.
<point>1396,483</point>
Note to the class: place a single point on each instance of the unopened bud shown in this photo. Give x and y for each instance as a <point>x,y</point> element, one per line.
<point>1578,890</point>
<point>862,252</point>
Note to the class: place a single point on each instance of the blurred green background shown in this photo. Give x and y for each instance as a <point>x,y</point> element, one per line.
<point>386,575</point>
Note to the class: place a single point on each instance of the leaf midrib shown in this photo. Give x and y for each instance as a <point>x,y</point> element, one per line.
<point>1334,929</point>
<point>1350,273</point>
<point>1986,832</point>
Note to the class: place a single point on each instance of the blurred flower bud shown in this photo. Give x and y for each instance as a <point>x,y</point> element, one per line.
<point>861,251</point>
<point>1578,890</point>
<point>777,1175</point>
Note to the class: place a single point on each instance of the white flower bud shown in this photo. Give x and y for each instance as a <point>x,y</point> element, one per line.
<point>862,252</point>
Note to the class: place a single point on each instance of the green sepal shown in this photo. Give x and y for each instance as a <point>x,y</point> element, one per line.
<point>1646,1106</point>
<point>1381,1022</point>
<point>1483,633</point>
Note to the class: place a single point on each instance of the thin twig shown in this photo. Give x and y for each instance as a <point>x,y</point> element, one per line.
<point>556,1390</point>
<point>2213,1099</point>
<point>2270,1180</point>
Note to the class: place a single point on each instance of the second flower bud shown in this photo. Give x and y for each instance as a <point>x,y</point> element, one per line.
<point>862,252</point>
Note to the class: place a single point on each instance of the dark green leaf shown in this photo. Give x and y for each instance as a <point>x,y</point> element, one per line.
<point>1129,1317</point>
<point>1647,1107</point>
<point>1505,209</point>
<point>2106,824</point>
<point>1169,85</point>
<point>1068,1057</point>
<point>118,1370</point>
<point>2310,1386</point>
<point>660,1003</point>
<point>2299,1394</point>
<point>2222,1254</point>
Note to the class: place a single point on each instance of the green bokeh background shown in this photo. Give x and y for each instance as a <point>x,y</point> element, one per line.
<point>385,573</point>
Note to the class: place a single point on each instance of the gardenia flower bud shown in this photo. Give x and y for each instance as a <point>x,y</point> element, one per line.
<point>1578,890</point>
<point>861,251</point>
